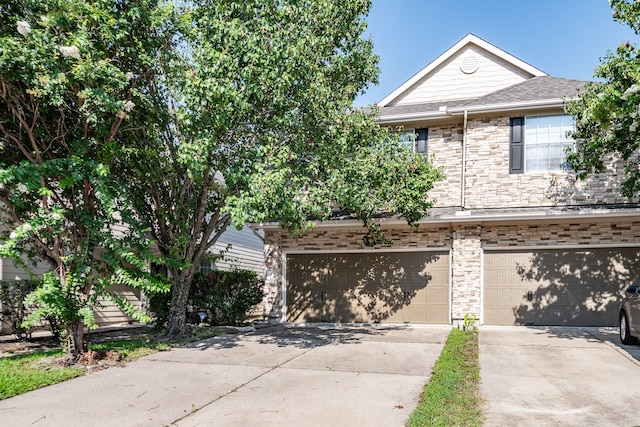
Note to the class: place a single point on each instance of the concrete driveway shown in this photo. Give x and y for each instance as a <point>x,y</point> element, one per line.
<point>558,376</point>
<point>274,377</point>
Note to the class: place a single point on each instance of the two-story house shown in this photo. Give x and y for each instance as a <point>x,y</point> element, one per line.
<point>514,239</point>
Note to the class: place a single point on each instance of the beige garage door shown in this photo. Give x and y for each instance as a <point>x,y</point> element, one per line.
<point>578,287</point>
<point>389,287</point>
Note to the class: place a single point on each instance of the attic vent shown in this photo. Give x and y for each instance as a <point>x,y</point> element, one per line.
<point>469,64</point>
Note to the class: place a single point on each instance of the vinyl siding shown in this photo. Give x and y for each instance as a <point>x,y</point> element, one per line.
<point>10,271</point>
<point>246,250</point>
<point>448,82</point>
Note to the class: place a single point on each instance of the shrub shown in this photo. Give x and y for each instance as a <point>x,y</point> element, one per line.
<point>12,295</point>
<point>226,297</point>
<point>159,305</point>
<point>15,312</point>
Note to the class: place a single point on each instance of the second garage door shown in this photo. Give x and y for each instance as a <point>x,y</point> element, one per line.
<point>372,287</point>
<point>574,287</point>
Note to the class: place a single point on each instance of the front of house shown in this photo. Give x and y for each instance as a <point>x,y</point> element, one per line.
<point>513,239</point>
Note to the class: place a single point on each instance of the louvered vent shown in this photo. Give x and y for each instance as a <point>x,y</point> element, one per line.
<point>469,64</point>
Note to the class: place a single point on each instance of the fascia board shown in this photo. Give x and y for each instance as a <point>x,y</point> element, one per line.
<point>411,117</point>
<point>468,39</point>
<point>489,108</point>
<point>454,219</point>
<point>510,106</point>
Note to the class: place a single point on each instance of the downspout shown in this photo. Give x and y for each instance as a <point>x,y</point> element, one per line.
<point>464,159</point>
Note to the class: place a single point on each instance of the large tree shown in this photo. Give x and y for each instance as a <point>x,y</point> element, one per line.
<point>71,73</point>
<point>253,121</point>
<point>608,111</point>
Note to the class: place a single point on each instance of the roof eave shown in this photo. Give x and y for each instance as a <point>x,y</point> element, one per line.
<point>488,108</point>
<point>470,217</point>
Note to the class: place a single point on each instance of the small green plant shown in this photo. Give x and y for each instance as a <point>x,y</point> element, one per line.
<point>469,322</point>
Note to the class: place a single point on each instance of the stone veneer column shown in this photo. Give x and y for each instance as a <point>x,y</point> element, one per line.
<point>466,272</point>
<point>273,279</point>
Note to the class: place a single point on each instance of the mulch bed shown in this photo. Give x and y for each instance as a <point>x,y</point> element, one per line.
<point>12,347</point>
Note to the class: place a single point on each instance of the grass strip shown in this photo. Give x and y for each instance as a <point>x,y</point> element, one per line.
<point>452,395</point>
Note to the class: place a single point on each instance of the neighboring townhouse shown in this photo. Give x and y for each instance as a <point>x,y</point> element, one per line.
<point>243,249</point>
<point>513,239</point>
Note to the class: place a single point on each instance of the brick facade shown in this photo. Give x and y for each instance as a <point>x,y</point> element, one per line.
<point>465,242</point>
<point>488,184</point>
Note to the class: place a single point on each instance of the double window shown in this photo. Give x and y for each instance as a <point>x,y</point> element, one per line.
<point>414,139</point>
<point>539,143</point>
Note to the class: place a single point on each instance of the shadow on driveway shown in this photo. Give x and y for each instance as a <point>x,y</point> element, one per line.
<point>301,337</point>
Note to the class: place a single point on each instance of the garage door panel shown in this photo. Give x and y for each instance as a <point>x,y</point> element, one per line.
<point>390,287</point>
<point>573,287</point>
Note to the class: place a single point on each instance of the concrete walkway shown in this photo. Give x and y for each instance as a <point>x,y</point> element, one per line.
<point>273,377</point>
<point>558,376</point>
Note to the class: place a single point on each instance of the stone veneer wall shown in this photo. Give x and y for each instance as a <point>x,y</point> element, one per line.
<point>445,144</point>
<point>466,242</point>
<point>588,233</point>
<point>466,271</point>
<point>489,184</point>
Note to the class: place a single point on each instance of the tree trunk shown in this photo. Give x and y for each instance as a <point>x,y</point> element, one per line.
<point>179,297</point>
<point>75,343</point>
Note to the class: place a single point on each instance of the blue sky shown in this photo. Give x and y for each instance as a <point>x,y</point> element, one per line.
<point>564,38</point>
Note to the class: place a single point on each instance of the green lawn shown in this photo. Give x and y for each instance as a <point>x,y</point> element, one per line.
<point>22,373</point>
<point>452,396</point>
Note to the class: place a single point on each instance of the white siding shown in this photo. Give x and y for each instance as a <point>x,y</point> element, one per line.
<point>10,271</point>
<point>109,314</point>
<point>246,250</point>
<point>448,82</point>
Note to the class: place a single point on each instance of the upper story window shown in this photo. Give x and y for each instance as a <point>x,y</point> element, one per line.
<point>538,143</point>
<point>414,139</point>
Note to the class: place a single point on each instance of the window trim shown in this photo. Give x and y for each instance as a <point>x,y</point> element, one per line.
<point>518,145</point>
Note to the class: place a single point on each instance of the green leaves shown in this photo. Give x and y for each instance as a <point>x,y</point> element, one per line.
<point>72,77</point>
<point>608,112</point>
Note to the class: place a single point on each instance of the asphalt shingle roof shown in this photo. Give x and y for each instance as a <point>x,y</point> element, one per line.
<point>533,89</point>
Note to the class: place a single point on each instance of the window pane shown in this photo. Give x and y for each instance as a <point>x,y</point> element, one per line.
<point>545,141</point>
<point>406,138</point>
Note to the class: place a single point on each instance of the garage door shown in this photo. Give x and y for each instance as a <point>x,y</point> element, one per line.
<point>389,287</point>
<point>578,287</point>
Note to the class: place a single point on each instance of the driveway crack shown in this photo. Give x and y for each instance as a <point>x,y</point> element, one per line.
<point>195,410</point>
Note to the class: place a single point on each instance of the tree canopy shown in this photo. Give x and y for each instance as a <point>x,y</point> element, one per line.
<point>608,111</point>
<point>71,72</point>
<point>124,122</point>
<point>253,121</point>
